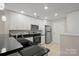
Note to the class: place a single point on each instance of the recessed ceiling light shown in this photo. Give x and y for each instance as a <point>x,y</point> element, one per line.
<point>22,12</point>
<point>2,6</point>
<point>45,7</point>
<point>45,18</point>
<point>56,14</point>
<point>35,14</point>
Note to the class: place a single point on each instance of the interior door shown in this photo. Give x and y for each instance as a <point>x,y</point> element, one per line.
<point>48,34</point>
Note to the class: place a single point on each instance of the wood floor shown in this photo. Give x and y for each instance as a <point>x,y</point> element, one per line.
<point>54,49</point>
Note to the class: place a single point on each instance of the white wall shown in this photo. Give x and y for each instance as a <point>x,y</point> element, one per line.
<point>2,24</point>
<point>73,23</point>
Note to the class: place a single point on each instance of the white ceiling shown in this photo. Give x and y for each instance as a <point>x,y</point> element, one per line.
<point>29,8</point>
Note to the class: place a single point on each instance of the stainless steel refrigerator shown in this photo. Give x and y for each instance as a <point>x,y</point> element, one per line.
<point>48,34</point>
